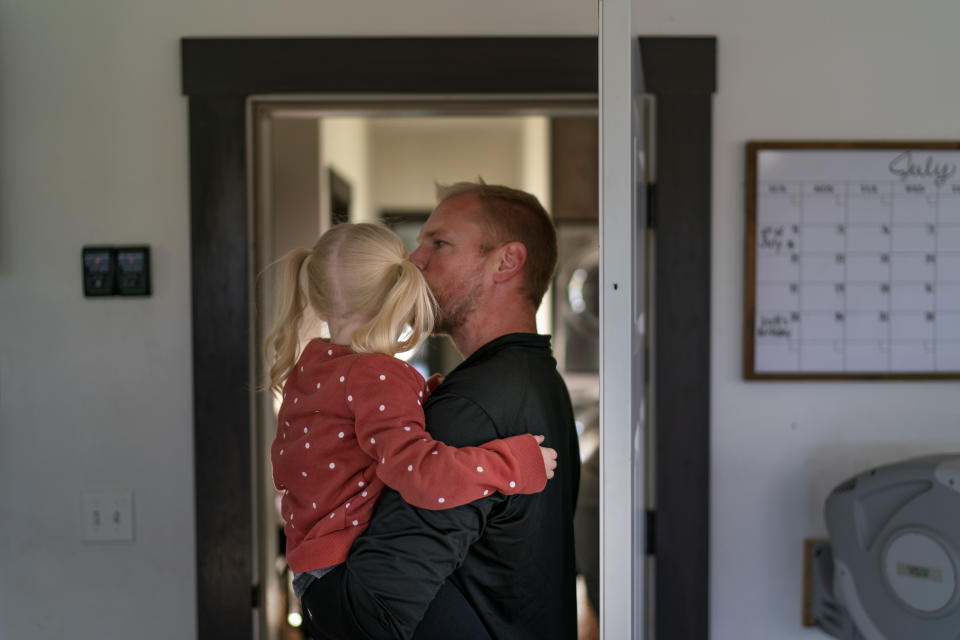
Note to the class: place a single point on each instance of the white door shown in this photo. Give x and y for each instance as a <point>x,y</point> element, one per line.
<point>622,319</point>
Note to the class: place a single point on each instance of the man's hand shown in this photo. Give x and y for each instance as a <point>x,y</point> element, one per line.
<point>549,457</point>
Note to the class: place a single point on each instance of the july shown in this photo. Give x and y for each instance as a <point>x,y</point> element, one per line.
<point>904,167</point>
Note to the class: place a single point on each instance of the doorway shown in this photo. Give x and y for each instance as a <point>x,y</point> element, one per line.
<point>317,164</point>
<point>219,76</point>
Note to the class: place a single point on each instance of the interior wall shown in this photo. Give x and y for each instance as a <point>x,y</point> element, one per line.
<point>409,155</point>
<point>863,69</point>
<point>97,394</point>
<point>345,147</point>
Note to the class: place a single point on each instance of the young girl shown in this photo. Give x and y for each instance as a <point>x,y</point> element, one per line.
<point>352,419</point>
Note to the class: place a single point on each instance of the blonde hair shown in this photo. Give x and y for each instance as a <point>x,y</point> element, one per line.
<point>354,270</point>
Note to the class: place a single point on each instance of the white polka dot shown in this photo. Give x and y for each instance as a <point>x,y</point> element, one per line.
<point>486,491</point>
<point>409,467</point>
<point>434,453</point>
<point>291,526</point>
<point>314,505</point>
<point>361,484</point>
<point>331,515</point>
<point>440,500</point>
<point>286,423</point>
<point>284,436</point>
<point>281,451</point>
<point>383,377</point>
<point>421,394</point>
<point>307,445</point>
<point>318,385</point>
<point>332,465</point>
<point>406,428</point>
<point>329,352</point>
<point>296,400</point>
<point>301,369</point>
<point>340,435</point>
<point>418,403</point>
<point>512,484</point>
<point>383,460</point>
<point>349,398</point>
<point>364,494</point>
<point>303,473</point>
<point>291,516</point>
<point>355,523</point>
<point>342,378</point>
<point>479,469</point>
<point>305,430</point>
<point>347,506</point>
<point>382,407</point>
<point>373,441</point>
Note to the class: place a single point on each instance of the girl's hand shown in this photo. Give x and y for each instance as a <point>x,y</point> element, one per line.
<point>549,457</point>
<point>432,383</point>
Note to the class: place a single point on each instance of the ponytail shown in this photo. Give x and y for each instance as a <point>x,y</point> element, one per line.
<point>354,271</point>
<point>408,300</point>
<point>280,345</point>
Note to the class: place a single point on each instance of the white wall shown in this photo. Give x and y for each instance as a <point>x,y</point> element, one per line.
<point>97,394</point>
<point>817,69</point>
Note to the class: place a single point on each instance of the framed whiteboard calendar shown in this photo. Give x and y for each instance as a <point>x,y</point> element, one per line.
<point>852,260</point>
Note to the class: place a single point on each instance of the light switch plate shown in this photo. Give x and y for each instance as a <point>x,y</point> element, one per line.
<point>108,516</point>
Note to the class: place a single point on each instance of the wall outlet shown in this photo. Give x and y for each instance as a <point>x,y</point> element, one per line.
<point>108,516</point>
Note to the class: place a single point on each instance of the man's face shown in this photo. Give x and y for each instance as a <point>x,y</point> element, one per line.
<point>450,257</point>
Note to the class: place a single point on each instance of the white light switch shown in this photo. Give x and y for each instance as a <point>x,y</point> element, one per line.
<point>108,516</point>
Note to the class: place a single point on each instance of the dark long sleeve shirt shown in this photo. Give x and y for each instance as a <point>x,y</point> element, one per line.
<point>511,556</point>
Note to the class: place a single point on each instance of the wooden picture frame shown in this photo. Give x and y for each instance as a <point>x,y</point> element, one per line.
<point>803,186</point>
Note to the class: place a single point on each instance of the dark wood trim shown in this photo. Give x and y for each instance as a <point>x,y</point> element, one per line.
<point>679,65</point>
<point>218,76</point>
<point>221,365</point>
<point>243,66</point>
<point>749,262</point>
<point>682,365</point>
<point>852,145</point>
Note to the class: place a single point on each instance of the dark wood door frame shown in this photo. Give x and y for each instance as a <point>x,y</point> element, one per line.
<point>218,76</point>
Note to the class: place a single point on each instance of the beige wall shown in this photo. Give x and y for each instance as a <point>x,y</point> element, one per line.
<point>410,155</point>
<point>98,394</point>
<point>345,146</point>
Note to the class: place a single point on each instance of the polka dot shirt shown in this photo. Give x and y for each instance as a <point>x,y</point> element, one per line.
<point>352,423</point>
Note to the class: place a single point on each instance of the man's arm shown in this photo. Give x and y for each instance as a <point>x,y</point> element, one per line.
<point>396,567</point>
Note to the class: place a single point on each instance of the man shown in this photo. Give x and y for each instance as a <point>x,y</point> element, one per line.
<point>488,252</point>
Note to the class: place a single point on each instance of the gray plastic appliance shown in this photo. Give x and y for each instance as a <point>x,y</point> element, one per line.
<point>892,566</point>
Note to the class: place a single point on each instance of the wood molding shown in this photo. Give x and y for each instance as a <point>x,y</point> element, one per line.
<point>218,76</point>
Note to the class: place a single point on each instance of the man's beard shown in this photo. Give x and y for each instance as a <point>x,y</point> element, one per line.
<point>453,309</point>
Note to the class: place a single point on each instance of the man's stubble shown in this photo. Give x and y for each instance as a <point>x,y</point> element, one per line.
<point>456,305</point>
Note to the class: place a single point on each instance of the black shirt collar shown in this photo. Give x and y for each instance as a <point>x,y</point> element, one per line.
<point>529,340</point>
